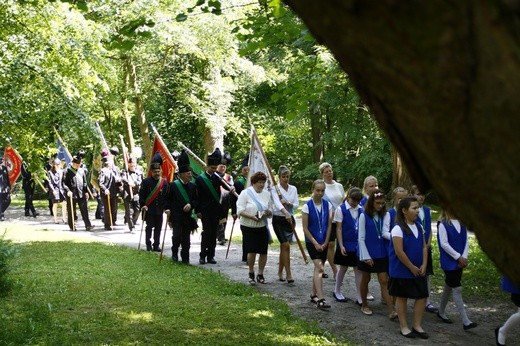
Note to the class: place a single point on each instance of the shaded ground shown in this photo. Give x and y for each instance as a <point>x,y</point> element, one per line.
<point>344,320</point>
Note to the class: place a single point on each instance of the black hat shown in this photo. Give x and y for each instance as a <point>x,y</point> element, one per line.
<point>184,162</point>
<point>245,162</point>
<point>155,165</point>
<point>215,158</point>
<point>157,158</point>
<point>114,150</point>
<point>226,159</point>
<point>81,154</point>
<point>1,159</point>
<point>131,160</point>
<point>76,159</point>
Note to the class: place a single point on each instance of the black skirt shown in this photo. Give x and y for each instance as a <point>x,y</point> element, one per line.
<point>333,232</point>
<point>429,265</point>
<point>282,229</point>
<point>380,266</point>
<point>351,260</point>
<point>416,288</point>
<point>314,254</point>
<point>515,298</point>
<point>255,239</point>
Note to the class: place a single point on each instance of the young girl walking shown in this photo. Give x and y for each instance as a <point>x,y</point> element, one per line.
<point>347,218</point>
<point>514,319</point>
<point>316,223</point>
<point>407,267</point>
<point>453,246</point>
<point>374,225</point>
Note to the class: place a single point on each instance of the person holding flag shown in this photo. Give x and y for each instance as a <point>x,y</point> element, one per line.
<point>5,189</point>
<point>109,181</point>
<point>152,198</point>
<point>75,186</point>
<point>132,180</point>
<point>56,192</point>
<point>209,208</point>
<point>182,201</point>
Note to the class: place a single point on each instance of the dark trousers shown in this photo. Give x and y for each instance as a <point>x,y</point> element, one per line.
<point>29,206</point>
<point>153,223</point>
<point>221,232</point>
<point>112,208</point>
<point>83,209</point>
<point>4,203</point>
<point>209,236</point>
<point>131,213</point>
<point>181,238</point>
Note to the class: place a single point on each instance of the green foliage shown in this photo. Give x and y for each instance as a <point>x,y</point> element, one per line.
<point>8,252</point>
<point>91,294</point>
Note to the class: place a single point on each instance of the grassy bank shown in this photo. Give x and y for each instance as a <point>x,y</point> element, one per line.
<point>94,294</point>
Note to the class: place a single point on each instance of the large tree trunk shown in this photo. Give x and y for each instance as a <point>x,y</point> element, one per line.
<point>316,131</point>
<point>139,109</point>
<point>442,80</point>
<point>400,176</point>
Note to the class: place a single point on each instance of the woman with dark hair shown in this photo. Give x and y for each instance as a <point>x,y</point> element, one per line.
<point>253,208</point>
<point>374,225</point>
<point>407,259</point>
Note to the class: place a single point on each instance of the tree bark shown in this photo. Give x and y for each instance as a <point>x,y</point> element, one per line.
<point>316,131</point>
<point>442,81</point>
<point>400,176</point>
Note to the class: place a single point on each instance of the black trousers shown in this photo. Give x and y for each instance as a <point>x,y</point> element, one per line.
<point>153,223</point>
<point>4,203</point>
<point>29,206</point>
<point>209,236</point>
<point>181,238</point>
<point>131,212</point>
<point>83,209</point>
<point>112,208</point>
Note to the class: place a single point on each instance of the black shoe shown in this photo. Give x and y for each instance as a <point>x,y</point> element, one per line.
<point>497,329</point>
<point>445,320</point>
<point>148,247</point>
<point>410,335</point>
<point>341,300</point>
<point>156,249</point>
<point>89,228</point>
<point>36,214</point>
<point>175,258</point>
<point>202,260</point>
<point>470,326</point>
<point>27,213</point>
<point>422,335</point>
<point>212,261</point>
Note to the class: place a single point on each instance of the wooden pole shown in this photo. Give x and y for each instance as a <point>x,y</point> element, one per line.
<point>142,228</point>
<point>164,237</point>
<point>230,237</point>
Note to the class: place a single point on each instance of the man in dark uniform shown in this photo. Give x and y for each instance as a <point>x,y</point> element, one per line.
<point>75,186</point>
<point>225,198</point>
<point>28,186</point>
<point>132,180</point>
<point>5,189</point>
<point>209,209</point>
<point>152,199</point>
<point>109,181</point>
<point>240,185</point>
<point>182,201</point>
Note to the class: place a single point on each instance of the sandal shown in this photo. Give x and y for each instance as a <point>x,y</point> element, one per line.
<point>252,279</point>
<point>393,316</point>
<point>322,304</point>
<point>324,275</point>
<point>260,278</point>
<point>314,299</point>
<point>366,310</point>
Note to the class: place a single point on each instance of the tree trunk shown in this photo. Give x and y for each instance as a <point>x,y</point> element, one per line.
<point>400,176</point>
<point>442,81</point>
<point>139,108</point>
<point>316,131</point>
<point>128,117</point>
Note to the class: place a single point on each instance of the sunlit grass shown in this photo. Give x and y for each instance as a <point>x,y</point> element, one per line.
<point>91,294</point>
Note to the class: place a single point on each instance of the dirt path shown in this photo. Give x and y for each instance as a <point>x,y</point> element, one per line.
<point>344,320</point>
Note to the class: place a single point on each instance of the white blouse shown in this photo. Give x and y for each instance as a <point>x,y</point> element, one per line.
<point>246,204</point>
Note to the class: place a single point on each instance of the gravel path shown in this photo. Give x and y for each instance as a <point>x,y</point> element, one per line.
<point>344,320</point>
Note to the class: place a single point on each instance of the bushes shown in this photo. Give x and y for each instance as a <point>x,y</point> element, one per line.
<point>7,252</point>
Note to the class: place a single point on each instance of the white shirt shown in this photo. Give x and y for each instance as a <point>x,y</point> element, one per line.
<point>334,193</point>
<point>354,211</point>
<point>398,232</point>
<point>246,204</point>
<point>290,195</point>
<point>305,208</point>
<point>363,251</point>
<point>443,239</point>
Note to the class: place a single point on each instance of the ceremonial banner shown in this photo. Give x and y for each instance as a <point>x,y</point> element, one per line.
<point>13,162</point>
<point>168,166</point>
<point>257,161</point>
<point>63,153</point>
<point>195,167</point>
<point>94,171</point>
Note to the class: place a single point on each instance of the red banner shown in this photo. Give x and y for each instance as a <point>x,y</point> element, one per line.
<point>13,162</point>
<point>168,166</point>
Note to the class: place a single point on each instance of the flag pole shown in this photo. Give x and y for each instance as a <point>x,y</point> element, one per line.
<point>278,192</point>
<point>203,164</point>
<point>129,177</point>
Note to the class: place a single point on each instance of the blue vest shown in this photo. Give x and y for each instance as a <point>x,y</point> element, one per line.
<point>392,212</point>
<point>375,245</point>
<point>456,240</point>
<point>319,233</point>
<point>349,229</point>
<point>509,286</point>
<point>363,201</point>
<point>426,223</point>
<point>413,248</point>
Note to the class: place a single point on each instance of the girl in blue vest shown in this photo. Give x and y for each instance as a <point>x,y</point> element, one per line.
<point>425,218</point>
<point>452,237</point>
<point>347,218</point>
<point>316,223</point>
<point>407,267</point>
<point>374,225</point>
<point>514,319</point>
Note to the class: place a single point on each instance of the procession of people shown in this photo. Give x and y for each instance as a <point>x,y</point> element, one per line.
<point>341,227</point>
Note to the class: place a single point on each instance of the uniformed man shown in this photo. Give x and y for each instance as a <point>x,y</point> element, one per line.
<point>152,199</point>
<point>109,182</point>
<point>132,180</point>
<point>225,198</point>
<point>75,187</point>
<point>28,186</point>
<point>5,189</point>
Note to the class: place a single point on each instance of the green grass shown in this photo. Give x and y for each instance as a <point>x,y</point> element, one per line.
<point>95,294</point>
